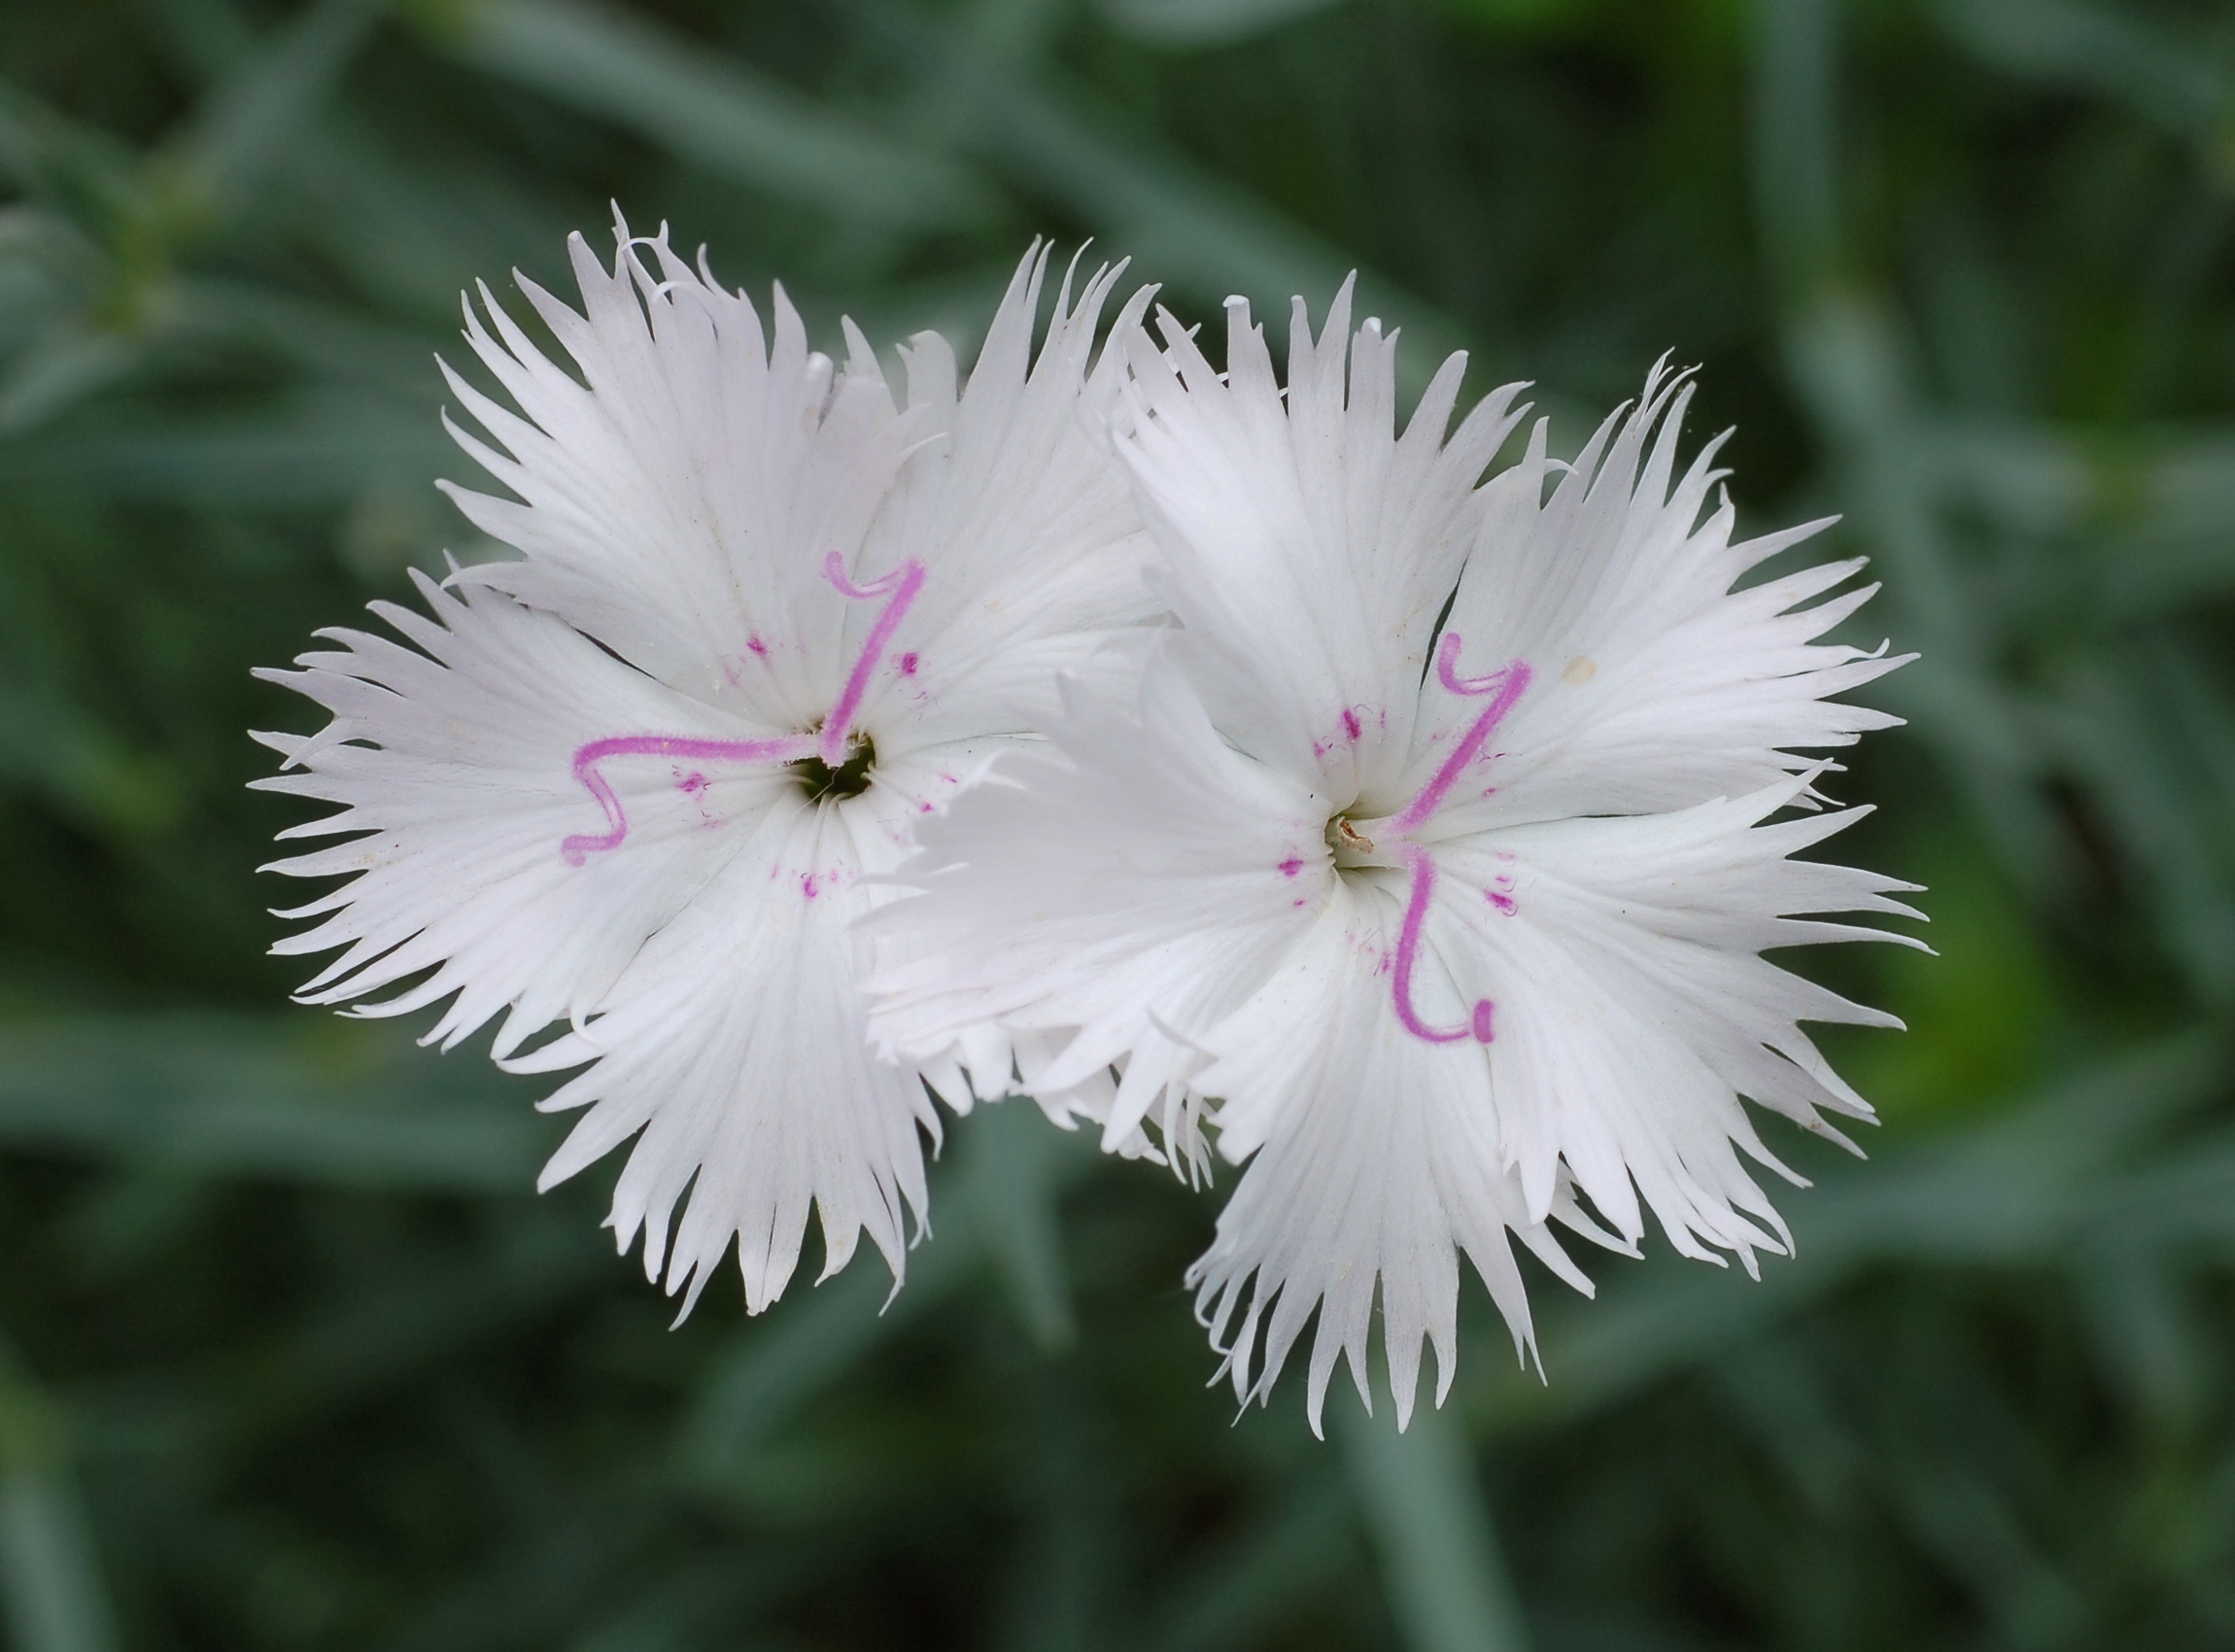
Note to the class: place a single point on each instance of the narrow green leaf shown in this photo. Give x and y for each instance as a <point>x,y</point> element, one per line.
<point>806,1342</point>
<point>1249,1582</point>
<point>252,120</point>
<point>726,117</point>
<point>244,1098</point>
<point>1012,1161</point>
<point>49,1578</point>
<point>1200,234</point>
<point>2023,1188</point>
<point>69,364</point>
<point>321,451</point>
<point>1422,1505</point>
<point>2161,80</point>
<point>1204,22</point>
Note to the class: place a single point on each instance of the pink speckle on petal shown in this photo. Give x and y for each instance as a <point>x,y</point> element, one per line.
<point>807,884</point>
<point>1503,903</point>
<point>923,808</point>
<point>755,643</point>
<point>908,665</point>
<point>693,783</point>
<point>1350,724</point>
<point>1292,866</point>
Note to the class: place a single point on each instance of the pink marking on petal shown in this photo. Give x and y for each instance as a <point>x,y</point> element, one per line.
<point>755,643</point>
<point>1503,903</point>
<point>807,884</point>
<point>1351,726</point>
<point>907,664</point>
<point>904,585</point>
<point>1292,866</point>
<point>1506,685</point>
<point>923,808</point>
<point>577,849</point>
<point>1422,865</point>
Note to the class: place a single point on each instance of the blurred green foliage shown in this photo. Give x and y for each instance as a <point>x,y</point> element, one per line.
<point>290,1355</point>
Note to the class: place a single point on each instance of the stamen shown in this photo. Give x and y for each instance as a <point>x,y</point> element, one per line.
<point>904,583</point>
<point>1482,1023</point>
<point>581,846</point>
<point>1508,685</point>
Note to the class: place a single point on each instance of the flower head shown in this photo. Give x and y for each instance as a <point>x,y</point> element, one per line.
<point>1430,862</point>
<point>642,779</point>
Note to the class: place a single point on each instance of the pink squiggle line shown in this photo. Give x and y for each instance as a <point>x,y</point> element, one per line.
<point>1508,685</point>
<point>905,584</point>
<point>1482,1024</point>
<point>582,845</point>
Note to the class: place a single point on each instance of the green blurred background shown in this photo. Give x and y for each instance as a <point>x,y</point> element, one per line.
<point>291,1357</point>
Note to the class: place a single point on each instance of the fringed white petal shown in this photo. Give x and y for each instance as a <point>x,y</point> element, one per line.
<point>1373,1159</point>
<point>1653,684</point>
<point>1632,1011</point>
<point>1307,546</point>
<point>1011,501</point>
<point>680,507</point>
<point>453,764</point>
<point>734,1051</point>
<point>679,502</point>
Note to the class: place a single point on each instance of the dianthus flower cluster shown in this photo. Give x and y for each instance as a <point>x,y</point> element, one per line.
<point>1216,760</point>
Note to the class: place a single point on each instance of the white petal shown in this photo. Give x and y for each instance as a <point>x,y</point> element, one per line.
<point>1308,548</point>
<point>1373,1158</point>
<point>733,1050</point>
<point>1654,685</point>
<point>679,503</point>
<point>1633,1012</point>
<point>457,765</point>
<point>1015,504</point>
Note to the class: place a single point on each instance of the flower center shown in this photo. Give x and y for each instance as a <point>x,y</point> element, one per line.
<point>1504,687</point>
<point>850,778</point>
<point>834,761</point>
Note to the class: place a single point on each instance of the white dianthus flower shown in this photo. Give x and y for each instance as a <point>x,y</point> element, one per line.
<point>642,779</point>
<point>1430,862</point>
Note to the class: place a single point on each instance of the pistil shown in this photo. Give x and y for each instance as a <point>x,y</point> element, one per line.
<point>905,584</point>
<point>1505,687</point>
<point>580,847</point>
